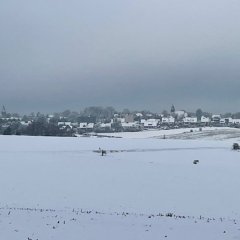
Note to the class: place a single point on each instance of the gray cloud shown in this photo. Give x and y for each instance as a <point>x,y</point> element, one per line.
<point>138,54</point>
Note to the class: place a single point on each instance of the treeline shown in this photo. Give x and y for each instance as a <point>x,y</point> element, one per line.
<point>38,127</point>
<point>47,124</point>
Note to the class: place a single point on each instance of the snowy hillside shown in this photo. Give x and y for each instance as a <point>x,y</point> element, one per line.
<point>206,133</point>
<point>62,188</point>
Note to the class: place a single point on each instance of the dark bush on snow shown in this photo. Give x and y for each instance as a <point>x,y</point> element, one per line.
<point>236,146</point>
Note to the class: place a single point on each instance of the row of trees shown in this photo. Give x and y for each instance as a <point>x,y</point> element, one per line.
<point>38,127</point>
<point>89,114</point>
<point>97,113</point>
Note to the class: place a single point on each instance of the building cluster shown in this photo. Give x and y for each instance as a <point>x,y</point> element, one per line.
<point>139,122</point>
<point>136,121</point>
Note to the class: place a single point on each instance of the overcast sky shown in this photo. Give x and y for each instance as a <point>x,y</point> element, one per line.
<point>136,54</point>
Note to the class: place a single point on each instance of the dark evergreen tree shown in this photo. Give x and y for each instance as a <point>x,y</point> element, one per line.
<point>172,109</point>
<point>199,114</point>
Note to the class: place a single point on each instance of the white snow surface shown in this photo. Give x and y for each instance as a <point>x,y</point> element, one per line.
<point>62,188</point>
<point>206,133</point>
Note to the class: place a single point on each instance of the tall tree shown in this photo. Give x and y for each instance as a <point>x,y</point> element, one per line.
<point>199,114</point>
<point>172,109</point>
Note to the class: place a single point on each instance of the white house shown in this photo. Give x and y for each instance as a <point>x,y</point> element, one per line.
<point>85,125</point>
<point>105,125</point>
<point>190,120</point>
<point>25,123</point>
<point>168,119</point>
<point>90,125</point>
<point>150,123</point>
<point>12,118</point>
<point>229,120</point>
<point>205,119</point>
<point>216,118</point>
<point>65,124</point>
<point>130,125</point>
<point>236,121</point>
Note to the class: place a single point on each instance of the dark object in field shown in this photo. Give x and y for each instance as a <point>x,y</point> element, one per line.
<point>195,161</point>
<point>236,146</point>
<point>104,152</point>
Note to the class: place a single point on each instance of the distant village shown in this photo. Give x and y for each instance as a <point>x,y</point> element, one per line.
<point>102,120</point>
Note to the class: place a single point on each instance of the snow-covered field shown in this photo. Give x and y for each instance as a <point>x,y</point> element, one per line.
<point>206,133</point>
<point>144,188</point>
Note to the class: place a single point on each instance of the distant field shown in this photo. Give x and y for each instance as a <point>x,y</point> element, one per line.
<point>218,134</point>
<point>207,133</point>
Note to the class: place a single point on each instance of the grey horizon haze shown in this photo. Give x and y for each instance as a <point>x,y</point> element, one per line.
<point>139,54</point>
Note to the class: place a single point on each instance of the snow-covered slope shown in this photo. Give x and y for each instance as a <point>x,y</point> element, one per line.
<point>62,188</point>
<point>206,133</point>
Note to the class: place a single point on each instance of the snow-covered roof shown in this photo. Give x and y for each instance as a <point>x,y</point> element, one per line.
<point>130,124</point>
<point>190,120</point>
<point>64,123</point>
<point>168,119</point>
<point>105,125</point>
<point>83,125</point>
